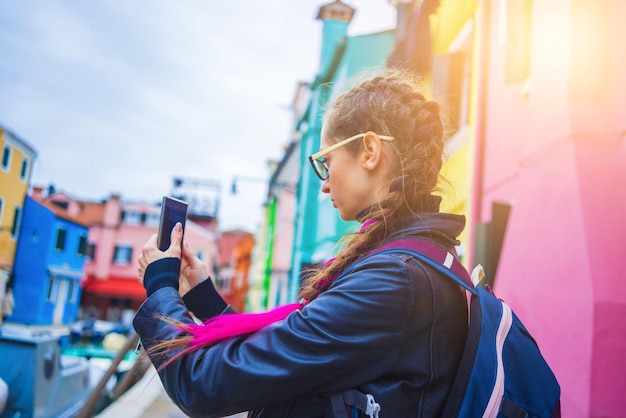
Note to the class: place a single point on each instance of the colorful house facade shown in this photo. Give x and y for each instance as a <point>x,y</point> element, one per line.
<point>49,264</point>
<point>272,260</point>
<point>536,162</point>
<point>117,233</point>
<point>233,269</point>
<point>317,224</point>
<point>15,174</point>
<point>550,146</point>
<point>532,94</point>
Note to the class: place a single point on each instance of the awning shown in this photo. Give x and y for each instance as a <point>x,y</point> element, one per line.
<point>115,286</point>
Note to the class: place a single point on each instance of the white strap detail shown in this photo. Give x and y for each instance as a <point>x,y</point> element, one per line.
<point>448,261</point>
<point>372,407</point>
<point>477,274</point>
<point>495,400</point>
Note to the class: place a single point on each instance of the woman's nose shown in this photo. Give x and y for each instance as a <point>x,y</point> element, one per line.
<point>325,186</point>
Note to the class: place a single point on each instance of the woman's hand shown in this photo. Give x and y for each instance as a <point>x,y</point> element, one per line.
<point>150,251</point>
<point>193,271</point>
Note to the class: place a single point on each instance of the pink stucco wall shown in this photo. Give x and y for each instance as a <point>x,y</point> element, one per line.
<point>555,148</point>
<point>113,232</point>
<point>283,247</point>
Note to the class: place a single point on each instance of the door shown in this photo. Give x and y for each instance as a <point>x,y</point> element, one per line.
<point>59,304</point>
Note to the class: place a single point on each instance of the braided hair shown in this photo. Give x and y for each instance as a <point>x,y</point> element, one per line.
<point>390,104</point>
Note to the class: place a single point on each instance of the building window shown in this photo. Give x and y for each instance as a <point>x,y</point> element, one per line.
<point>131,218</point>
<point>91,251</point>
<point>16,221</point>
<point>152,219</point>
<point>82,245</point>
<point>53,289</point>
<point>72,291</point>
<point>24,171</point>
<point>122,254</point>
<point>6,157</point>
<point>1,207</point>
<point>60,245</point>
<point>61,204</point>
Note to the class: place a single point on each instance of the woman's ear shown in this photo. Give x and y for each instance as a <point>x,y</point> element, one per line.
<point>372,151</point>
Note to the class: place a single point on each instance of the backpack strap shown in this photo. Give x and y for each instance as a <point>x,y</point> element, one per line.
<point>355,401</point>
<point>432,254</point>
<point>435,256</point>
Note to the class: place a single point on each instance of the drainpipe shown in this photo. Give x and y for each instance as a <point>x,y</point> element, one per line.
<point>481,118</point>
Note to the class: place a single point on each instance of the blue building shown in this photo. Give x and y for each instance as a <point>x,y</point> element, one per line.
<point>49,262</point>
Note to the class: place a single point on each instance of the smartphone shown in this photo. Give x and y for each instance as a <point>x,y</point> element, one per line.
<point>172,211</point>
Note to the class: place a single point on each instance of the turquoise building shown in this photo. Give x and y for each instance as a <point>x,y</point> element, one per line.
<point>315,224</point>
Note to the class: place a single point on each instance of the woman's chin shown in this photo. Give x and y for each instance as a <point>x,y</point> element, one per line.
<point>346,217</point>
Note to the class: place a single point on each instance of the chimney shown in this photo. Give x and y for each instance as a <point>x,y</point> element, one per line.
<point>37,193</point>
<point>336,10</point>
<point>336,17</point>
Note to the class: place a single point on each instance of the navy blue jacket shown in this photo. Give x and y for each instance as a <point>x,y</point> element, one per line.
<point>392,327</point>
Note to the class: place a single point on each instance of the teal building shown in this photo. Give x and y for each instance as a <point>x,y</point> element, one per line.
<point>316,226</point>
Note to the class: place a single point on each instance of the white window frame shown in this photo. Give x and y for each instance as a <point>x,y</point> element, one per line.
<point>132,218</point>
<point>72,292</point>
<point>53,289</point>
<point>152,219</point>
<point>117,254</point>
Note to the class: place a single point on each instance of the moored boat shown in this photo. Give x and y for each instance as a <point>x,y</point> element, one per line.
<point>42,382</point>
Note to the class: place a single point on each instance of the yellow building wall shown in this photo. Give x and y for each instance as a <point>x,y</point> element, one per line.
<point>13,189</point>
<point>451,19</point>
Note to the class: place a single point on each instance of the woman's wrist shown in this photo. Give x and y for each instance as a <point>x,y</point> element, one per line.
<point>204,300</point>
<point>161,273</point>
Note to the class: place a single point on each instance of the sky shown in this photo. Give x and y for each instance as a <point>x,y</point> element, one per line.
<point>122,96</point>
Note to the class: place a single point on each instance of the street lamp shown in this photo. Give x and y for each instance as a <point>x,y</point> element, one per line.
<point>233,185</point>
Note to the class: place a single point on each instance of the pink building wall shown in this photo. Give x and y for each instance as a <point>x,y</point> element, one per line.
<point>554,147</point>
<point>106,279</point>
<point>114,232</point>
<point>283,247</point>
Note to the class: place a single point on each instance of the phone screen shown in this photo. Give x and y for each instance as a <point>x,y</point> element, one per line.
<point>172,211</point>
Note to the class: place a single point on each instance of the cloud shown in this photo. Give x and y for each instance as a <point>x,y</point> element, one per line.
<point>120,97</point>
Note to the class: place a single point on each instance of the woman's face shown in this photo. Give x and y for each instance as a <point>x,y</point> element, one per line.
<point>349,184</point>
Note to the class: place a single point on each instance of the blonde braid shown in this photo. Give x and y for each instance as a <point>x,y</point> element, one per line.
<point>388,105</point>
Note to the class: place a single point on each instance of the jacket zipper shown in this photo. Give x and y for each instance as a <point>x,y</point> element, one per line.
<point>495,400</point>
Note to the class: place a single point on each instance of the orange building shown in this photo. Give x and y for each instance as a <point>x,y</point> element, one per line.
<point>235,257</point>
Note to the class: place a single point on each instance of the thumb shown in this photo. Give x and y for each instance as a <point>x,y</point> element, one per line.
<point>176,237</point>
<point>187,254</point>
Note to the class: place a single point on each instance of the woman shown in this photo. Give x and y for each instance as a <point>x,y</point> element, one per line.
<point>391,328</point>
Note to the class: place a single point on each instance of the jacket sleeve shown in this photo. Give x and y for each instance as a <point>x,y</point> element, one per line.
<point>205,302</point>
<point>346,337</point>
